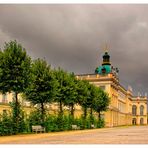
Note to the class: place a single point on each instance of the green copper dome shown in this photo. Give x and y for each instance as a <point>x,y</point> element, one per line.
<point>104,69</point>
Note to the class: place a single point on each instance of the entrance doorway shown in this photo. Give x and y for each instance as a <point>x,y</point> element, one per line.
<point>141,121</point>
<point>134,121</point>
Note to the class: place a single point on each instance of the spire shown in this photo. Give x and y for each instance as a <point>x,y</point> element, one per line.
<point>105,48</point>
<point>106,56</point>
<point>105,68</point>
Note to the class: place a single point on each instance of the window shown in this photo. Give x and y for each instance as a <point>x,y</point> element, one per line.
<point>4,98</point>
<point>141,110</point>
<point>134,121</point>
<point>134,110</point>
<point>121,95</point>
<point>102,87</point>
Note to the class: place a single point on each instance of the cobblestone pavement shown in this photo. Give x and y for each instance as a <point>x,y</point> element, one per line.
<point>118,135</point>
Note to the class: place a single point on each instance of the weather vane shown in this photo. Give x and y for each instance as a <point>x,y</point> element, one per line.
<point>105,47</point>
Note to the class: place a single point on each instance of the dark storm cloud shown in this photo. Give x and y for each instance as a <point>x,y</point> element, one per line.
<point>72,36</point>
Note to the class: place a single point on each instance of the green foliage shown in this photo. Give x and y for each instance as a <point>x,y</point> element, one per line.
<point>42,88</point>
<point>6,124</point>
<point>34,118</point>
<point>14,73</point>
<point>93,95</point>
<point>65,122</point>
<point>83,91</point>
<point>50,123</point>
<point>101,102</point>
<point>71,94</point>
<point>85,123</point>
<point>92,118</point>
<point>68,121</point>
<point>60,122</point>
<point>14,68</point>
<point>43,84</point>
<point>100,123</point>
<point>64,90</point>
<point>18,114</point>
<point>84,95</point>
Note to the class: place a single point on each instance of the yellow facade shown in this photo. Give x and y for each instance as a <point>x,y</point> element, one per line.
<point>122,101</point>
<point>139,110</point>
<point>7,98</point>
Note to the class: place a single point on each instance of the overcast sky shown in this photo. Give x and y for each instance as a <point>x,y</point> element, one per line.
<point>72,37</point>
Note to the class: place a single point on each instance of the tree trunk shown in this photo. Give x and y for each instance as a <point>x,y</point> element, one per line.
<point>91,112</point>
<point>85,112</point>
<point>16,97</point>
<point>60,106</point>
<point>84,117</point>
<point>72,110</point>
<point>91,115</point>
<point>99,115</point>
<point>16,112</point>
<point>42,112</point>
<point>16,103</point>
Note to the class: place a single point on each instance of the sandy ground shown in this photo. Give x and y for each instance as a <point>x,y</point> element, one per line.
<point>117,135</point>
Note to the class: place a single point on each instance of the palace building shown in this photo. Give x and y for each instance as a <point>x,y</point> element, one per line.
<point>124,108</point>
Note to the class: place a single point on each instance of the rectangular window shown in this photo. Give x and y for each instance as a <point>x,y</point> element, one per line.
<point>4,98</point>
<point>102,87</point>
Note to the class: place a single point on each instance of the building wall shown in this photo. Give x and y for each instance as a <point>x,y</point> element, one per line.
<point>120,108</point>
<point>138,102</point>
<point>4,107</point>
<point>7,98</point>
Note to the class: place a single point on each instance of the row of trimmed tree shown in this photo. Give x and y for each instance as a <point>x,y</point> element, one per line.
<point>42,85</point>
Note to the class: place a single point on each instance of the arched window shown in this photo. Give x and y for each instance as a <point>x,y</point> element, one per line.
<point>134,110</point>
<point>141,110</point>
<point>141,121</point>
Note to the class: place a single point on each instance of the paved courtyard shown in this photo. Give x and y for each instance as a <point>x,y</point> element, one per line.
<point>118,135</point>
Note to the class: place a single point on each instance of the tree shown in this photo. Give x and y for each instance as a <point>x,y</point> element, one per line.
<point>14,71</point>
<point>84,95</point>
<point>14,68</point>
<point>42,88</point>
<point>61,77</point>
<point>93,96</point>
<point>20,126</point>
<point>101,102</point>
<point>71,94</point>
